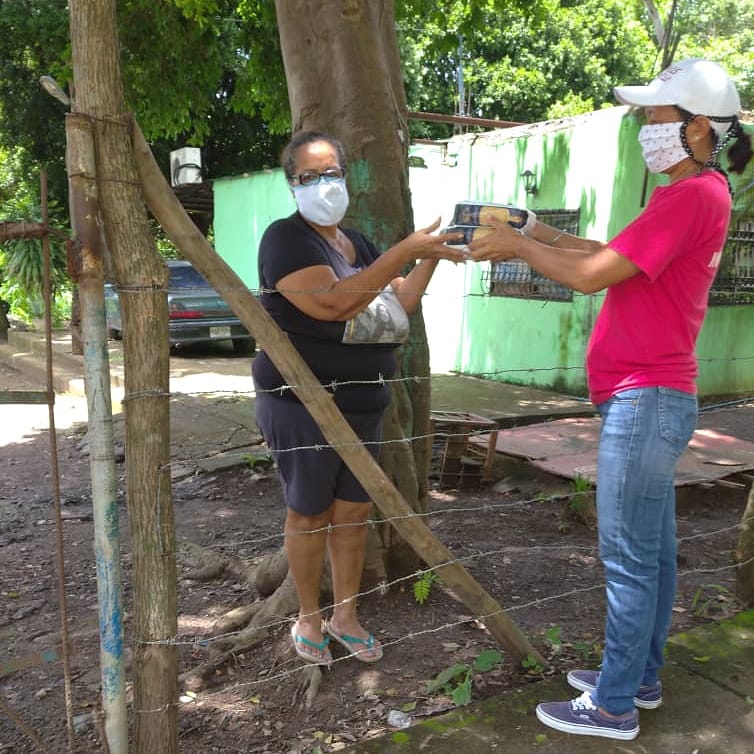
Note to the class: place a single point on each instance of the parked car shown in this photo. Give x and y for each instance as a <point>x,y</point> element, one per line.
<point>197,313</point>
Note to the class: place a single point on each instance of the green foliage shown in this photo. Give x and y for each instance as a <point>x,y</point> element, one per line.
<point>209,73</point>
<point>521,61</point>
<point>721,31</point>
<point>423,586</point>
<point>456,680</point>
<point>258,462</point>
<point>196,72</point>
<point>708,597</point>
<point>34,41</point>
<point>24,263</point>
<point>552,636</point>
<point>580,504</point>
<point>21,260</point>
<point>531,665</point>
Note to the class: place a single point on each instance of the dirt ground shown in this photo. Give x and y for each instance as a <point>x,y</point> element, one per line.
<point>511,535</point>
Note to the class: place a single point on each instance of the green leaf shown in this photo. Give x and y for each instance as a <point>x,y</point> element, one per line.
<point>408,707</point>
<point>423,586</point>
<point>445,676</point>
<point>531,664</point>
<point>462,693</point>
<point>552,635</point>
<point>487,660</point>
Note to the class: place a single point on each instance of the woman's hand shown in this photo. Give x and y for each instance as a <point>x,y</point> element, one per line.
<point>421,244</point>
<point>501,244</point>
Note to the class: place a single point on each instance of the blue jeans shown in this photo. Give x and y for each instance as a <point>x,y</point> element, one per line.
<point>644,432</point>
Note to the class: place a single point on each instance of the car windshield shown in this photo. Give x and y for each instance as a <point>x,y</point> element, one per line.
<point>186,277</point>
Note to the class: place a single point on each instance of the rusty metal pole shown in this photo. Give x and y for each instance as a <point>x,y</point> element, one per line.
<point>89,270</point>
<point>55,471</point>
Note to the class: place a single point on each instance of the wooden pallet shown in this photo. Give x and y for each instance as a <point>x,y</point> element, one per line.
<point>462,463</point>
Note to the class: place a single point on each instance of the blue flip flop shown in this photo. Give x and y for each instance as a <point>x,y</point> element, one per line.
<point>357,647</point>
<point>302,645</point>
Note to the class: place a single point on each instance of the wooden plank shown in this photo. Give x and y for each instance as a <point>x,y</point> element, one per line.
<point>9,231</point>
<point>25,396</point>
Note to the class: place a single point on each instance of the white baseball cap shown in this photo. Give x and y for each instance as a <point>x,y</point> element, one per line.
<point>699,86</point>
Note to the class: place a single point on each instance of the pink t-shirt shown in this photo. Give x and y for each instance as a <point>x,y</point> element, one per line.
<point>647,328</point>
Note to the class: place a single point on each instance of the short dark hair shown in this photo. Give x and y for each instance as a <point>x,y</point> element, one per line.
<point>298,140</point>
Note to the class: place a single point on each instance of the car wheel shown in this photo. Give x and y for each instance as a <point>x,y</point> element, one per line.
<point>245,346</point>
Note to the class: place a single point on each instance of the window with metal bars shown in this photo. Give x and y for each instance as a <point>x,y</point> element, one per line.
<point>516,279</point>
<point>734,282</point>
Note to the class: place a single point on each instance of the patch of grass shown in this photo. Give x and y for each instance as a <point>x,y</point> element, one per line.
<point>580,506</point>
<point>258,462</point>
<point>708,597</point>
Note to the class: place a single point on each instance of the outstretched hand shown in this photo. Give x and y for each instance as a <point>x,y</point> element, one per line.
<point>497,246</point>
<point>421,244</point>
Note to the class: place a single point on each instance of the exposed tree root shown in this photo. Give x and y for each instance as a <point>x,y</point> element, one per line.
<point>308,686</point>
<point>234,619</point>
<point>247,626</point>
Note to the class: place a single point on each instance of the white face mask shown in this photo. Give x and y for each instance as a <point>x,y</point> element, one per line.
<point>661,146</point>
<point>324,203</point>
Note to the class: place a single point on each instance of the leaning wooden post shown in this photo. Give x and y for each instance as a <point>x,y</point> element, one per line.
<point>184,234</point>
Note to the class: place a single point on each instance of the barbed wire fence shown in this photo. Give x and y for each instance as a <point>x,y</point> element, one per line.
<point>273,675</point>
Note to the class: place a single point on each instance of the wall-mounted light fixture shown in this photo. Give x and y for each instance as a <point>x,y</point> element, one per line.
<point>530,182</point>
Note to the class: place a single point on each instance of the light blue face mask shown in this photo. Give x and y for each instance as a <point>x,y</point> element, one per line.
<point>323,203</point>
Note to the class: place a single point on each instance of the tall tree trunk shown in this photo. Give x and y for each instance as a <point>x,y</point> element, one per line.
<point>344,78</point>
<point>142,278</point>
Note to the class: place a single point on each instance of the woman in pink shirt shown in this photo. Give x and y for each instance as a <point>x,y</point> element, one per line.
<point>641,370</point>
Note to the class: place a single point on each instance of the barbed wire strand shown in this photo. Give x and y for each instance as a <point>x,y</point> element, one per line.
<point>537,602</point>
<point>385,586</point>
<point>462,559</point>
<point>560,499</point>
<point>333,385</point>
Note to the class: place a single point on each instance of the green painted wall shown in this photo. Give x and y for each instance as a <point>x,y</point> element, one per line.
<point>577,165</point>
<point>244,206</point>
<point>576,162</point>
<point>725,351</point>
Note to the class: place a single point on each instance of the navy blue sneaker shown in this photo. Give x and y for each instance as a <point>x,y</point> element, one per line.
<point>648,697</point>
<point>581,716</point>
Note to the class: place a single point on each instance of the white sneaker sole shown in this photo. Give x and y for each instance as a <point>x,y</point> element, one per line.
<point>576,683</point>
<point>586,730</point>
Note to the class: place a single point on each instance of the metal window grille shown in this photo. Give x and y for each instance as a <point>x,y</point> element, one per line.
<point>734,282</point>
<point>516,279</point>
